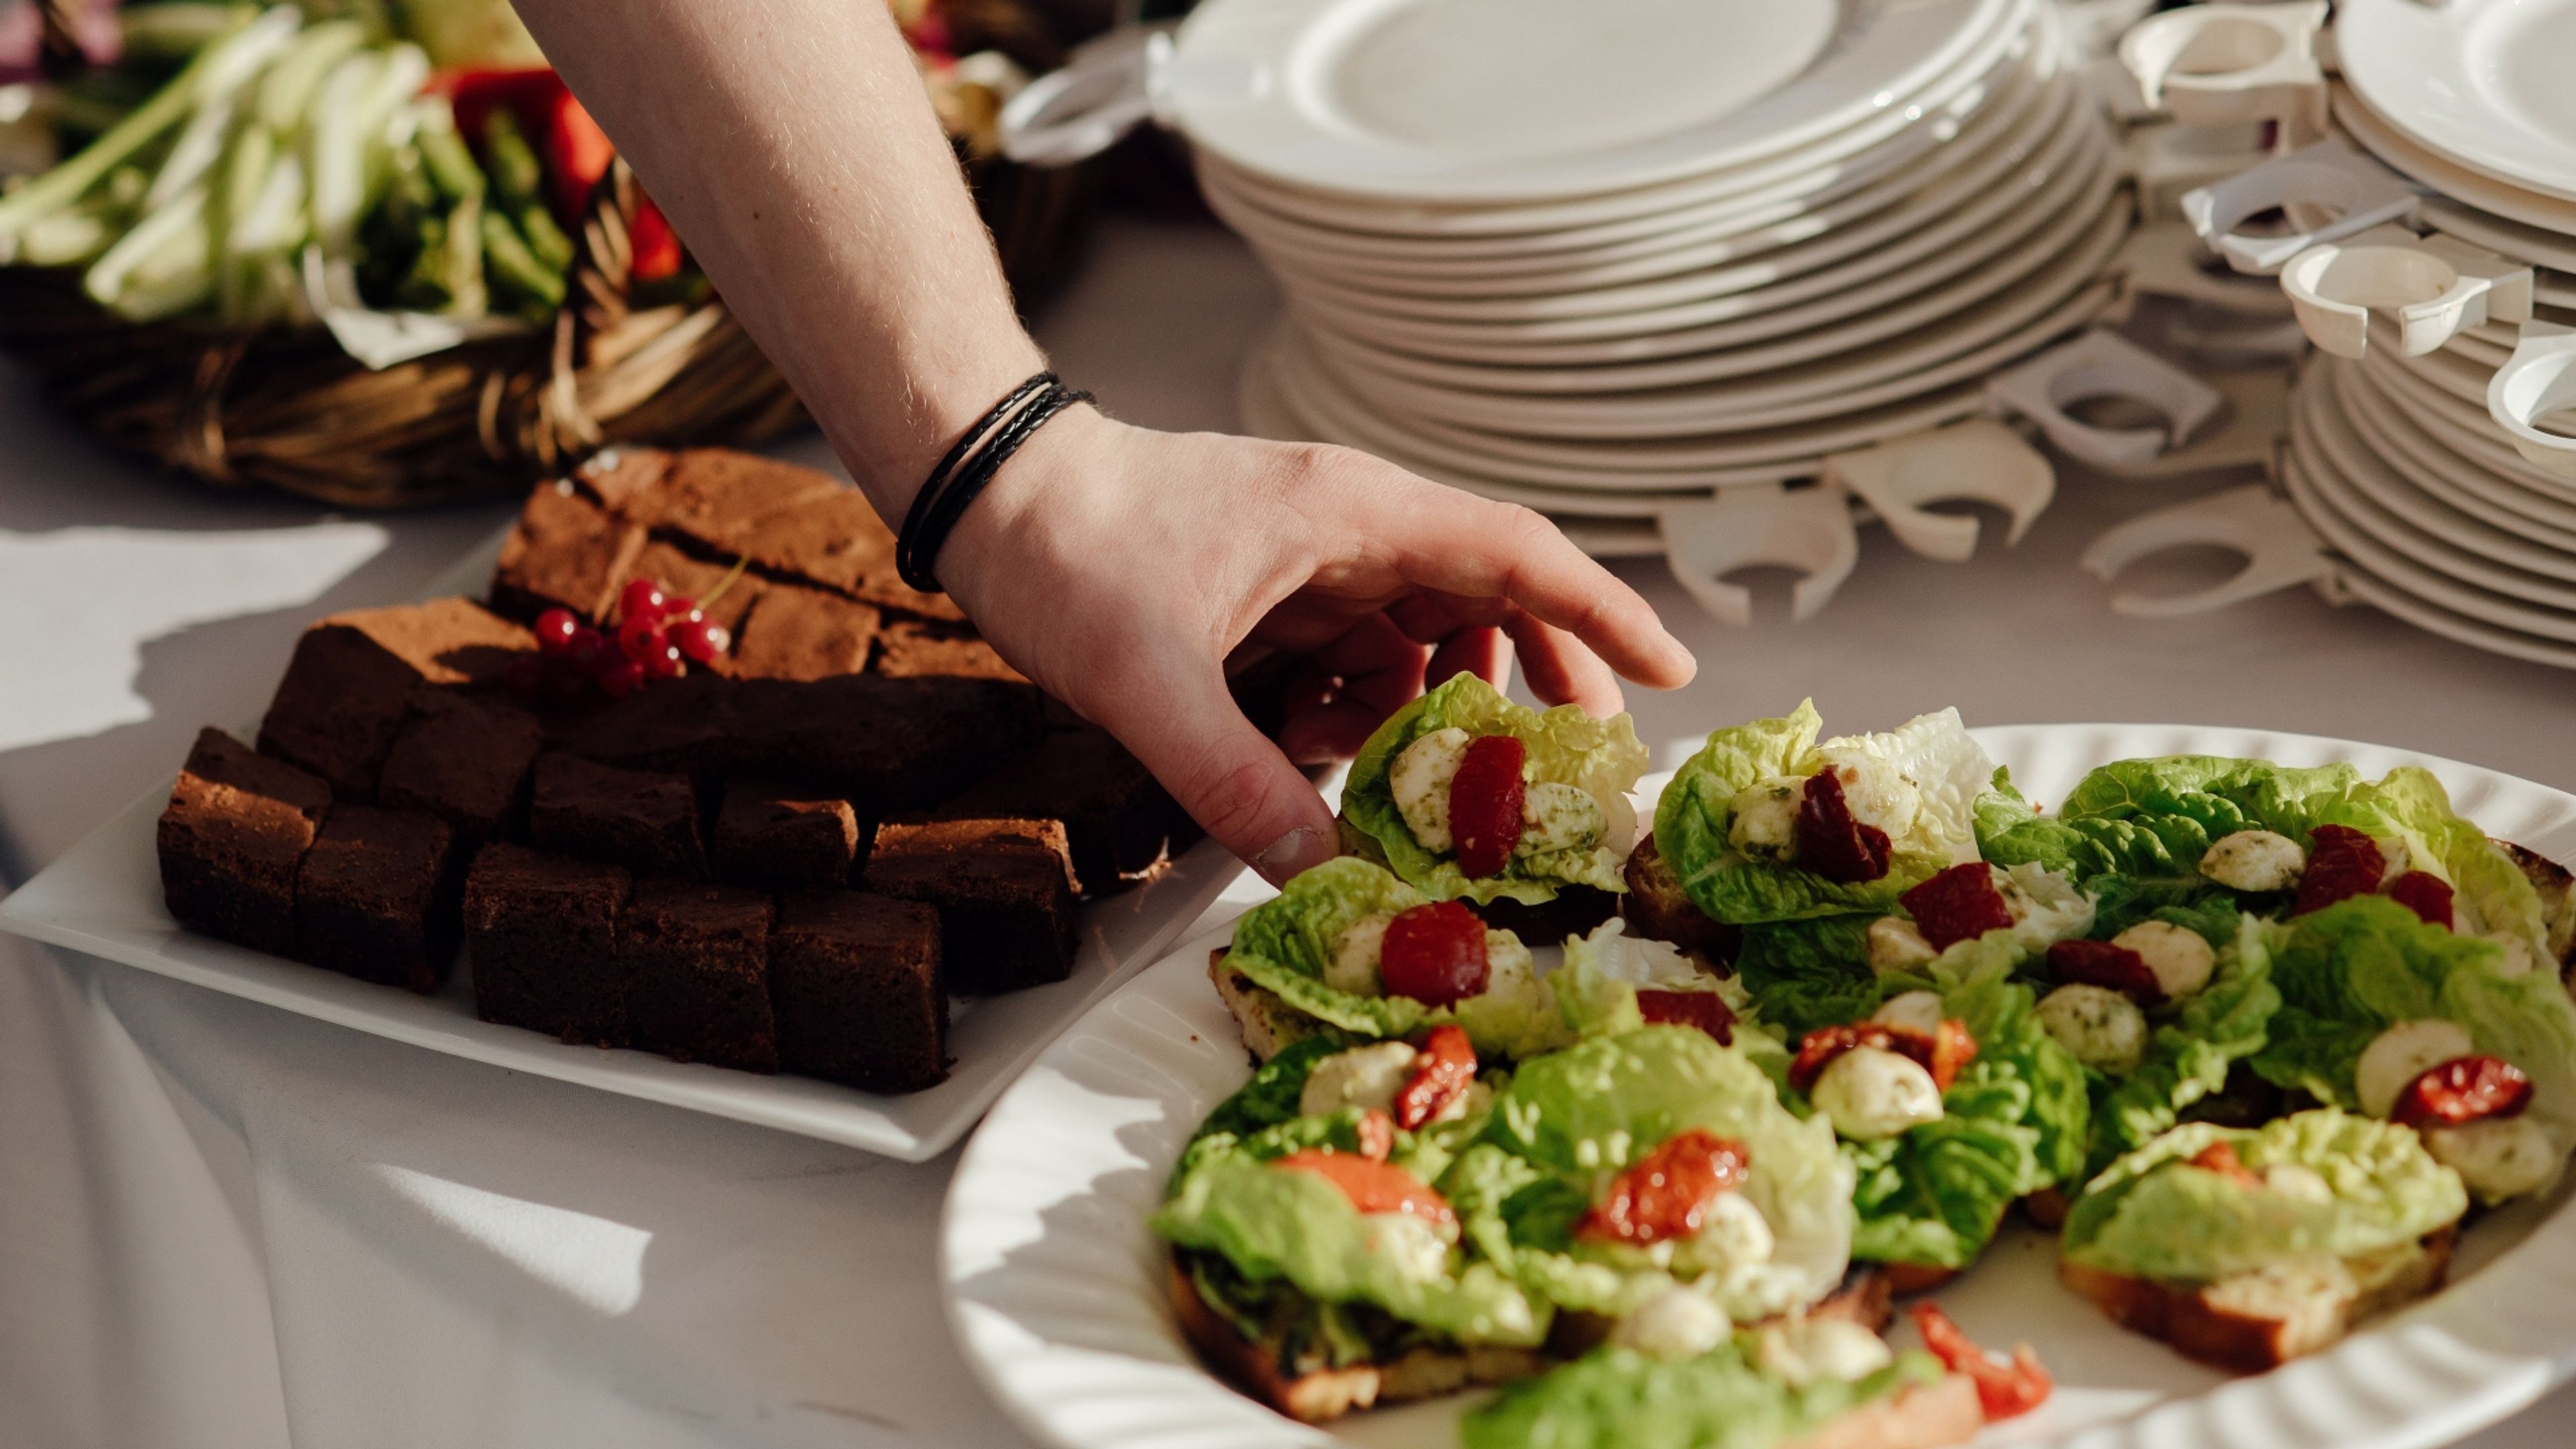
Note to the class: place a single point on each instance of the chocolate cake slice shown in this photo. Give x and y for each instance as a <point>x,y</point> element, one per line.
<point>541,932</point>
<point>355,677</point>
<point>718,497</point>
<point>1003,890</point>
<point>776,837</point>
<point>838,541</point>
<point>235,831</point>
<point>564,552</point>
<point>1118,818</point>
<point>376,897</point>
<point>885,745</point>
<point>696,962</point>
<point>855,981</point>
<point>805,634</point>
<point>620,478</point>
<point>644,820</point>
<point>464,758</point>
<point>912,649</point>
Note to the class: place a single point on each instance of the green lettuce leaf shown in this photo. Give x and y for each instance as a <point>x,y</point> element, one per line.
<point>2197,1043</point>
<point>1596,988</point>
<point>1616,1398</point>
<point>2153,1215</point>
<point>1566,747</point>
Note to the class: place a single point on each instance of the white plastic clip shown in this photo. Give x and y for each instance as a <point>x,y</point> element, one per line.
<point>2163,259</point>
<point>2432,288</point>
<point>2257,418</point>
<point>2280,550</point>
<point>2330,174</point>
<point>2105,364</point>
<point>1105,89</point>
<point>1809,530</point>
<point>2539,379</point>
<point>2208,65</point>
<point>1978,459</point>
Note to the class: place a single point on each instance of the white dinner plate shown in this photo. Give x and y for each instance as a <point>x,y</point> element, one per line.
<point>1056,1288</point>
<point>2460,480</point>
<point>103,897</point>
<point>2500,234</point>
<point>1497,101</point>
<point>2448,177</point>
<point>2483,82</point>
<point>2466,429</point>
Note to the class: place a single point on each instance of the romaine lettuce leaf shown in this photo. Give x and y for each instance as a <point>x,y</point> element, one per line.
<point>2191,1052</point>
<point>1616,1398</point>
<point>1566,746</point>
<point>1596,988</point>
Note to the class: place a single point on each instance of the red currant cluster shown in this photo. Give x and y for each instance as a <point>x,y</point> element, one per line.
<point>658,635</point>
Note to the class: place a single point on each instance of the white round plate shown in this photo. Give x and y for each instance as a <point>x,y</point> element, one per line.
<point>2458,480</point>
<point>2450,374</point>
<point>2448,177</point>
<point>2483,82</point>
<point>2466,430</point>
<point>1497,101</point>
<point>2501,235</point>
<point>1056,1289</point>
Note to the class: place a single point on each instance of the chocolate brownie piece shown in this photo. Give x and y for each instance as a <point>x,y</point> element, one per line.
<point>717,497</point>
<point>912,649</point>
<point>565,552</point>
<point>1118,817</point>
<point>541,933</point>
<point>237,827</point>
<point>696,962</point>
<point>1003,889</point>
<point>377,897</point>
<point>644,820</point>
<point>355,676</point>
<point>885,745</point>
<point>465,759</point>
<point>776,837</point>
<point>682,725</point>
<point>723,595</point>
<point>622,479</point>
<point>838,541</point>
<point>801,633</point>
<point>855,981</point>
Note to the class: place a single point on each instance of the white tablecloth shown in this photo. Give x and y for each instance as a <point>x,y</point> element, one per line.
<point>226,1226</point>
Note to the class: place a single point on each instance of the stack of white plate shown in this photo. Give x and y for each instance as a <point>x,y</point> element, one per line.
<point>1600,259</point>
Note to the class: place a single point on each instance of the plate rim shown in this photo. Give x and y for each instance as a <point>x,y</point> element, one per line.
<point>2426,84</point>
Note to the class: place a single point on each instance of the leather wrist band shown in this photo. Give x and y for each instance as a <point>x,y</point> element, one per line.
<point>967,467</point>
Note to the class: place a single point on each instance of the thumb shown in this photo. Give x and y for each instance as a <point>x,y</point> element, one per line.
<point>1229,776</point>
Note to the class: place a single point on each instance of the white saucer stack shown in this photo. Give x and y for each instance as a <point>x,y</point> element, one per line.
<point>1600,260</point>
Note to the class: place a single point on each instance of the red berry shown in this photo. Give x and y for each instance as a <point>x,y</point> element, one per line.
<point>1958,904</point>
<point>640,639</point>
<point>1485,804</point>
<point>2342,863</point>
<point>680,606</point>
<point>1435,954</point>
<point>569,685</point>
<point>643,599</point>
<point>665,662</point>
<point>621,678</point>
<point>586,649</point>
<point>555,630</point>
<point>700,640</point>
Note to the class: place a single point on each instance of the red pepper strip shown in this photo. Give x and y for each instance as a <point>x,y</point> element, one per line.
<point>2463,1089</point>
<point>1443,1069</point>
<point>2003,1391</point>
<point>1958,904</point>
<point>2221,1158</point>
<point>2100,963</point>
<point>1941,1053</point>
<point>1372,1187</point>
<point>1703,1009</point>
<point>1377,1135</point>
<point>1667,1192</point>
<point>2342,863</point>
<point>1832,843</point>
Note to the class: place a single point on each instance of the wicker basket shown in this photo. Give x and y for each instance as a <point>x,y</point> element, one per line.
<point>286,408</point>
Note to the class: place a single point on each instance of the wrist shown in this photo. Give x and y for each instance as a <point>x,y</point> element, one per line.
<point>1024,504</point>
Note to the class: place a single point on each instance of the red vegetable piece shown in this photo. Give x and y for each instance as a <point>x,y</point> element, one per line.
<point>2100,963</point>
<point>658,253</point>
<point>1372,1186</point>
<point>1703,1009</point>
<point>1667,1192</point>
<point>1958,904</point>
<point>2463,1089</point>
<point>1444,1067</point>
<point>2424,893</point>
<point>2004,1391</point>
<point>1485,803</point>
<point>1952,1048</point>
<point>2342,863</point>
<point>1435,954</point>
<point>1377,1135</point>
<point>1943,1053</point>
<point>1833,844</point>
<point>2221,1158</point>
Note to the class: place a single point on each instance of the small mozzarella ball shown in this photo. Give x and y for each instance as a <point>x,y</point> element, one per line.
<point>1911,1010</point>
<point>1415,1247</point>
<point>1356,954</point>
<point>1362,1077</point>
<point>1419,779</point>
<point>2254,860</point>
<point>1676,1323</point>
<point>1734,1232</point>
<point>1509,970</point>
<point>1877,792</point>
<point>1558,817</point>
<point>1897,944</point>
<point>1804,1350</point>
<point>2104,1029</point>
<point>2498,1157</point>
<point>2180,956</point>
<point>1870,1093</point>
<point>1766,818</point>
<point>2401,1054</point>
<point>2304,1184</point>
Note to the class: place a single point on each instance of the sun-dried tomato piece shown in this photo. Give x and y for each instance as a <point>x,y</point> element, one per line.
<point>2424,893</point>
<point>1667,1192</point>
<point>1702,1009</point>
<point>2221,1158</point>
<point>1435,954</point>
<point>1943,1053</point>
<point>2342,863</point>
<point>1444,1067</point>
<point>2463,1089</point>
<point>2100,963</point>
<point>1958,904</point>
<point>1372,1186</point>
<point>1833,844</point>
<point>1376,1134</point>
<point>1818,1048</point>
<point>1485,799</point>
<point>2003,1390</point>
<point>1952,1048</point>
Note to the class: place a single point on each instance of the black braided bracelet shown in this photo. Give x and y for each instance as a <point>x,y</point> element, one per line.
<point>967,467</point>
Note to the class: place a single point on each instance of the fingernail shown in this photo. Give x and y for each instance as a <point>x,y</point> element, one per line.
<point>1283,859</point>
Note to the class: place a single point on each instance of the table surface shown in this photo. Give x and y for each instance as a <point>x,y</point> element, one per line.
<point>223,1220</point>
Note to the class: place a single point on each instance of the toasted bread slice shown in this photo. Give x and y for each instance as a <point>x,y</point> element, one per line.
<point>2557,888</point>
<point>1924,1416</point>
<point>1655,907</point>
<point>1268,1024</point>
<point>2047,1208</point>
<point>2259,1321</point>
<point>1909,1279</point>
<point>1574,912</point>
